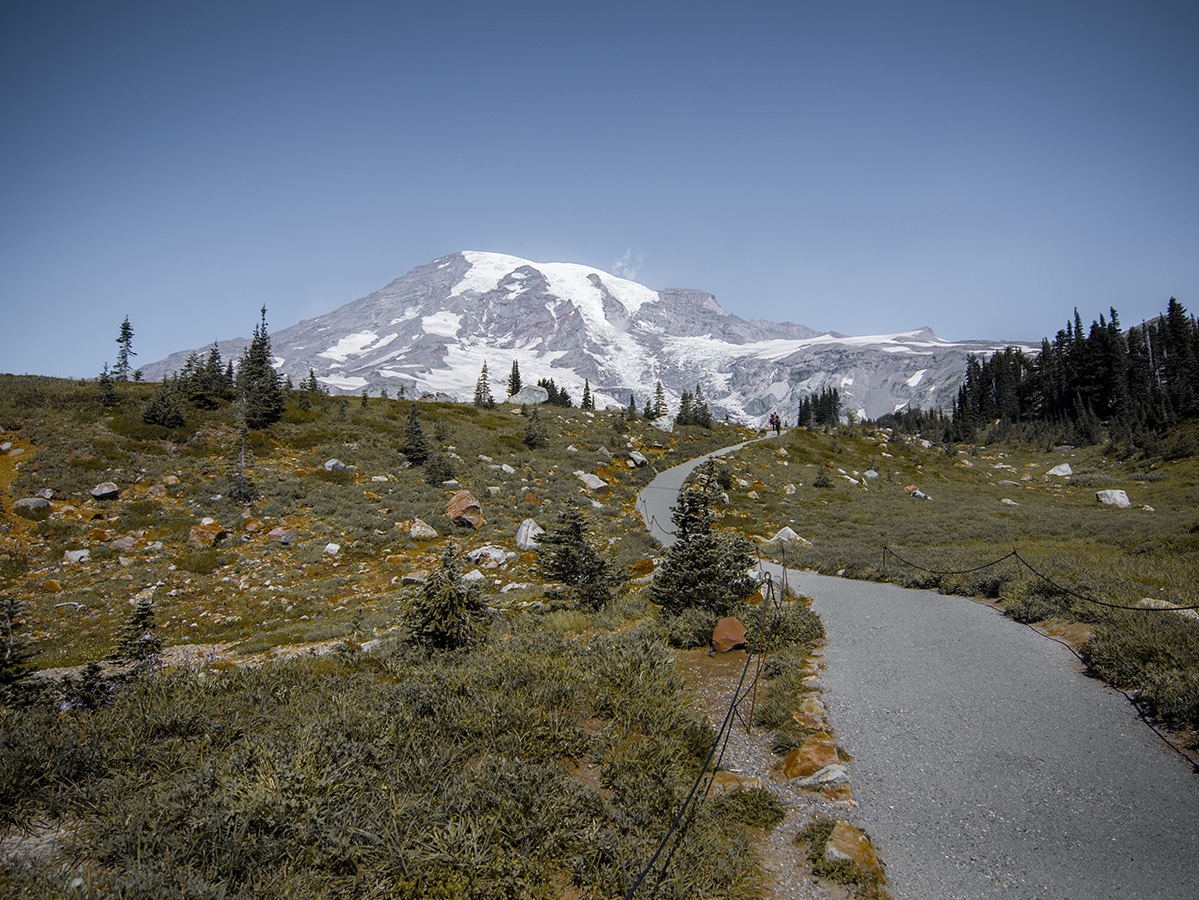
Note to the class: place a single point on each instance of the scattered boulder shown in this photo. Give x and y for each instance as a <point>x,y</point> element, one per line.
<point>420,530</point>
<point>464,509</point>
<point>638,459</point>
<point>207,533</point>
<point>1008,502</point>
<point>816,752</point>
<point>332,549</point>
<point>752,495</point>
<point>36,508</point>
<point>1113,498</point>
<point>507,469</point>
<point>529,395</point>
<point>474,575</point>
<point>527,534</point>
<point>417,577</point>
<point>106,490</point>
<point>787,535</point>
<point>788,489</point>
<point>1061,471</point>
<point>45,494</point>
<point>76,556</point>
<point>593,484</point>
<point>334,465</point>
<point>726,782</point>
<point>920,495</point>
<point>848,844</point>
<point>125,544</point>
<point>870,473</point>
<point>489,556</point>
<point>729,634</point>
<point>834,774</point>
<point>281,535</point>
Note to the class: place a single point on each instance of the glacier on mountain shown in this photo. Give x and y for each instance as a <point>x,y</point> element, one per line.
<point>431,330</point>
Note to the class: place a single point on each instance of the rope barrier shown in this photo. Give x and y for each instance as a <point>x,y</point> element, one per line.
<point>685,814</point>
<point>1015,554</point>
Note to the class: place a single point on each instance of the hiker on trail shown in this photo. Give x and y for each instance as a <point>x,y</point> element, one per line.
<point>776,423</point>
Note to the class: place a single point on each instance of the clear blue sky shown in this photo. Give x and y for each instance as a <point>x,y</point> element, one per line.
<point>981,168</point>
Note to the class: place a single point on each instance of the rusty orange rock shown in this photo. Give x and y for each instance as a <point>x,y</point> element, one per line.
<point>728,634</point>
<point>848,843</point>
<point>816,752</point>
<point>206,534</point>
<point>464,509</point>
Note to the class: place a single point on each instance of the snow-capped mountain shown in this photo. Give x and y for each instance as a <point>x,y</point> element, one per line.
<point>432,330</point>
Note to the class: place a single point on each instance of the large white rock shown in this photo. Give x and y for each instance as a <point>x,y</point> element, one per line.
<point>420,530</point>
<point>593,483</point>
<point>529,395</point>
<point>489,556</point>
<point>1113,498</point>
<point>787,535</point>
<point>1063,470</point>
<point>527,534</point>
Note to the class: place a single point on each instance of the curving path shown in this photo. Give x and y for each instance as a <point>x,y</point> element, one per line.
<point>985,762</point>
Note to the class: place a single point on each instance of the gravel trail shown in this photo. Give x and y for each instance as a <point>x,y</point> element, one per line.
<point>987,764</point>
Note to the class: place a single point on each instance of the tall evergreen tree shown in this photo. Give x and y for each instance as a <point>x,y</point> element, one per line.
<point>125,342</point>
<point>483,398</point>
<point>702,415</point>
<point>416,448</point>
<point>258,384</point>
<point>660,408</point>
<point>704,568</point>
<point>588,401</point>
<point>514,382</point>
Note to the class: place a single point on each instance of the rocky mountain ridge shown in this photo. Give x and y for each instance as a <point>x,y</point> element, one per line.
<point>431,331</point>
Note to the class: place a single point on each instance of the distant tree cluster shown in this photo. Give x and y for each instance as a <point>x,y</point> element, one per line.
<point>820,410</point>
<point>693,409</point>
<point>658,407</point>
<point>557,396</point>
<point>1142,380</point>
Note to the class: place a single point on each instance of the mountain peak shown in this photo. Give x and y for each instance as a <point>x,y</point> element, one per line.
<point>431,330</point>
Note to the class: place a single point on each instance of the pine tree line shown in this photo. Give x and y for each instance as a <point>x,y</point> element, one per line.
<point>1142,380</point>
<point>820,410</point>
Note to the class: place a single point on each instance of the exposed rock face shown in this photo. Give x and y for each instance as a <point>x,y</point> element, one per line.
<point>1113,498</point>
<point>573,322</point>
<point>464,509</point>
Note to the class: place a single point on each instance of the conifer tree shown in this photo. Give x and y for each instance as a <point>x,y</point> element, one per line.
<point>631,410</point>
<point>514,382</point>
<point>661,407</point>
<point>15,651</point>
<point>566,556</point>
<point>137,641</point>
<point>701,414</point>
<point>108,391</point>
<point>165,408</point>
<point>686,413</point>
<point>416,448</point>
<point>588,401</point>
<point>125,342</point>
<point>258,384</point>
<point>448,614</point>
<point>704,568</point>
<point>483,398</point>
<point>535,434</point>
